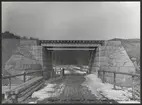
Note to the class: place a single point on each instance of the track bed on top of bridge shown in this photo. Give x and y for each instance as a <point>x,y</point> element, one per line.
<point>74,92</point>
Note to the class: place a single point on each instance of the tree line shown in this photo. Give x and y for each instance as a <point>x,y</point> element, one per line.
<point>8,35</point>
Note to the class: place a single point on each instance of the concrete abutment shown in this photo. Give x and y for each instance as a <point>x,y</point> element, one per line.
<point>109,56</point>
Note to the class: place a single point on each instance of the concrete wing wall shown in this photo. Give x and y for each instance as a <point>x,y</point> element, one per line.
<point>113,57</point>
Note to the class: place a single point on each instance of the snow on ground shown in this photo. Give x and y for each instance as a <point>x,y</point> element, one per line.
<point>67,71</point>
<point>50,90</point>
<point>75,67</point>
<point>32,102</point>
<point>134,102</point>
<point>97,87</point>
<point>74,71</point>
<point>80,72</point>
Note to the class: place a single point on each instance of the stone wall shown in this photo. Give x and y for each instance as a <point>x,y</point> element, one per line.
<point>7,47</point>
<point>28,56</point>
<point>25,42</point>
<point>113,57</point>
<point>47,62</point>
<point>44,57</point>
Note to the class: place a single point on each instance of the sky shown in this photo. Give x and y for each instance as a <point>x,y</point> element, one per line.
<point>72,20</point>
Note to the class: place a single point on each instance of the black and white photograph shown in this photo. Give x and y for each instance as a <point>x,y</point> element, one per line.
<point>70,52</point>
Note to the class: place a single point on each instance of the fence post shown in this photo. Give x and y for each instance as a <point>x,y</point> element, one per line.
<point>10,83</point>
<point>98,73</point>
<point>103,76</point>
<point>114,82</point>
<point>14,97</point>
<point>42,73</point>
<point>24,76</point>
<point>133,87</point>
<point>51,74</point>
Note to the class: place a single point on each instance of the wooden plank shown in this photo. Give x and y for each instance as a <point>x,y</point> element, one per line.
<point>29,93</point>
<point>22,93</point>
<point>27,85</point>
<point>29,90</point>
<point>9,100</point>
<point>16,89</point>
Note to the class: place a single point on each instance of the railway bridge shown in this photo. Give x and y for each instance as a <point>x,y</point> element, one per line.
<point>92,46</point>
<point>103,57</point>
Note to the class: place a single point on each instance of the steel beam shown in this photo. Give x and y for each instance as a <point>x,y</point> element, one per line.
<point>71,49</point>
<point>69,45</point>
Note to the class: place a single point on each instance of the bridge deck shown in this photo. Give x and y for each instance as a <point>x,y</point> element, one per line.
<point>71,43</point>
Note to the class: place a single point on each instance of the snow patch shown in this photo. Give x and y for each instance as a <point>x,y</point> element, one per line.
<point>97,88</point>
<point>32,102</point>
<point>67,72</point>
<point>80,72</point>
<point>129,102</point>
<point>48,91</point>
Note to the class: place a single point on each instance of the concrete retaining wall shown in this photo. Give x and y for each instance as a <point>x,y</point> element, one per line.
<point>29,56</point>
<point>113,57</point>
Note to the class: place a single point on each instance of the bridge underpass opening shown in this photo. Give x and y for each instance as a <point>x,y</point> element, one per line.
<point>73,60</point>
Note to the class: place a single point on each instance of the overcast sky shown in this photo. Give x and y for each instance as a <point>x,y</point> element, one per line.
<point>72,20</point>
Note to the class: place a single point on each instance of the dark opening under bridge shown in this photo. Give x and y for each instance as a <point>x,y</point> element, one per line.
<point>94,47</point>
<point>90,45</point>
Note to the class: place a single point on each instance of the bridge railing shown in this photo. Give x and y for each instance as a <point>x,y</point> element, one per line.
<point>26,73</point>
<point>25,81</point>
<point>114,79</point>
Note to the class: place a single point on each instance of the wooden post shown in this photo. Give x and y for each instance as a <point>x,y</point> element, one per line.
<point>103,76</point>
<point>63,72</point>
<point>133,87</point>
<point>24,76</point>
<point>14,97</point>
<point>99,57</point>
<point>10,83</point>
<point>42,73</point>
<point>52,74</point>
<point>114,82</point>
<point>98,74</point>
